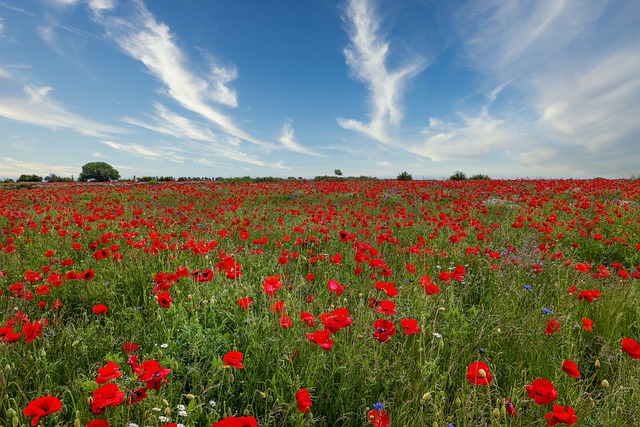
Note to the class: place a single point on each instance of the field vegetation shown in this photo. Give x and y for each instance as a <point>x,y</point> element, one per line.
<point>464,302</point>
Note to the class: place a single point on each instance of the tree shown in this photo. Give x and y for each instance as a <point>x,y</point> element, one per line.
<point>98,171</point>
<point>480,176</point>
<point>337,172</point>
<point>458,176</point>
<point>29,178</point>
<point>404,176</point>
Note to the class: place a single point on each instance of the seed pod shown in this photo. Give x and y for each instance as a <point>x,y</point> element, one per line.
<point>597,364</point>
<point>426,396</point>
<point>605,384</point>
<point>496,413</point>
<point>190,396</point>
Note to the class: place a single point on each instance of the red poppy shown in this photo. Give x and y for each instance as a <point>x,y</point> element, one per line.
<point>41,407</point>
<point>164,299</point>
<point>552,326</point>
<point>277,307</point>
<point>321,337</point>
<point>136,395</point>
<point>388,288</point>
<point>98,423</point>
<point>561,415</point>
<point>244,302</point>
<point>587,324</point>
<point>336,320</point>
<point>410,326</point>
<point>130,347</point>
<point>233,358</point>
<point>542,391</point>
<point>387,307</point>
<point>101,254</point>
<point>304,400</point>
<point>285,321</point>
<point>631,347</point>
<point>87,275</point>
<point>511,410</point>
<point>153,374</point>
<point>571,368</point>
<point>384,329</point>
<point>335,287</point>
<point>589,295</point>
<point>107,395</point>
<point>479,374</point>
<point>308,319</point>
<point>236,422</point>
<point>378,418</point>
<point>31,331</point>
<point>100,309</point>
<point>271,284</point>
<point>109,372</point>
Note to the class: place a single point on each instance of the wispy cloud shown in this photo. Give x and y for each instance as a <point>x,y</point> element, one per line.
<point>160,153</point>
<point>366,58</point>
<point>39,109</point>
<point>169,123</point>
<point>151,42</point>
<point>13,167</point>
<point>288,141</point>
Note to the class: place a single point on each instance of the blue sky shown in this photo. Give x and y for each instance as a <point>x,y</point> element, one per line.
<point>301,88</point>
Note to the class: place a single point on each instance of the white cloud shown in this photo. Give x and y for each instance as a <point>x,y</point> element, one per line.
<point>161,153</point>
<point>10,167</point>
<point>140,36</point>
<point>288,141</point>
<point>172,124</point>
<point>40,110</point>
<point>366,58</point>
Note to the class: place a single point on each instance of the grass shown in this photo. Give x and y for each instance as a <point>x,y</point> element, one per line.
<point>515,280</point>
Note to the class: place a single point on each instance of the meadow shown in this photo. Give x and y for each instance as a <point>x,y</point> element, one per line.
<point>301,303</point>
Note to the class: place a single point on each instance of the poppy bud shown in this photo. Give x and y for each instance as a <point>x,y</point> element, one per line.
<point>482,373</point>
<point>498,330</point>
<point>634,396</point>
<point>43,352</point>
<point>7,368</point>
<point>262,394</point>
<point>190,296</point>
<point>605,384</point>
<point>246,412</point>
<point>15,421</point>
<point>597,364</point>
<point>167,411</point>
<point>165,402</point>
<point>231,378</point>
<point>77,423</point>
<point>75,343</point>
<point>441,344</point>
<point>435,424</point>
<point>457,402</point>
<point>496,413</point>
<point>190,396</point>
<point>10,412</point>
<point>426,396</point>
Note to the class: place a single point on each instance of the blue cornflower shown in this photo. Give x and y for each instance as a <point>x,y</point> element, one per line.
<point>546,311</point>
<point>378,406</point>
<point>527,287</point>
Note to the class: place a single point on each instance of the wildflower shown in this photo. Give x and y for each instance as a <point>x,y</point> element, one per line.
<point>511,410</point>
<point>561,414</point>
<point>589,295</point>
<point>102,423</point>
<point>308,319</point>
<point>571,368</point>
<point>479,374</point>
<point>244,302</point>
<point>321,337</point>
<point>378,417</point>
<point>546,311</point>
<point>552,326</point>
<point>384,330</point>
<point>41,407</point>
<point>335,287</point>
<point>304,400</point>
<point>233,358</point>
<point>153,374</point>
<point>410,326</point>
<point>164,345</point>
<point>164,299</point>
<point>109,372</point>
<point>631,347</point>
<point>236,422</point>
<point>542,391</point>
<point>107,395</point>
<point>587,324</point>
<point>100,309</point>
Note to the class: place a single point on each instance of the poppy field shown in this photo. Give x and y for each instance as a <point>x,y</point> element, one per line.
<point>303,303</point>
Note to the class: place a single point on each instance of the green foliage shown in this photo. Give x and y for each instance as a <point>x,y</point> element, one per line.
<point>52,177</point>
<point>404,176</point>
<point>458,176</point>
<point>337,172</point>
<point>98,171</point>
<point>479,176</point>
<point>29,178</point>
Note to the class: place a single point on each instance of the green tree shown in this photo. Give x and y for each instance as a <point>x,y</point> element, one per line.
<point>29,178</point>
<point>98,171</point>
<point>458,176</point>
<point>480,176</point>
<point>337,172</point>
<point>404,176</point>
